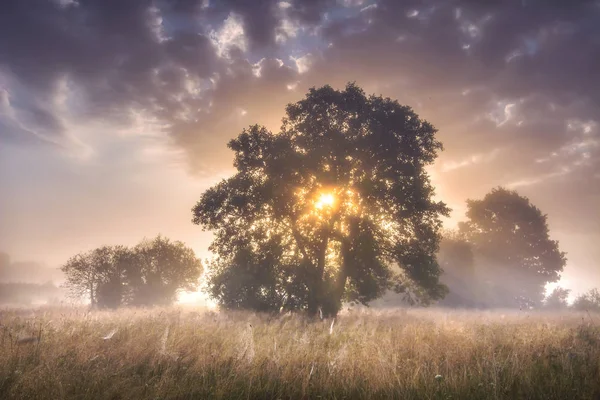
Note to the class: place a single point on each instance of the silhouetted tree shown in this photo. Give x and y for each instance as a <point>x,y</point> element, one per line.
<point>162,268</point>
<point>557,299</point>
<point>100,274</point>
<point>512,248</point>
<point>115,266</point>
<point>324,210</point>
<point>456,259</point>
<point>151,273</point>
<point>82,277</point>
<point>589,301</point>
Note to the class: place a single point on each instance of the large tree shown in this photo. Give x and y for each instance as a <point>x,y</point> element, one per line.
<point>512,247</point>
<point>328,208</point>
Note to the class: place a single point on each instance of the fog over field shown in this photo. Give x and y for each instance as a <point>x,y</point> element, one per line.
<point>194,353</point>
<point>299,199</point>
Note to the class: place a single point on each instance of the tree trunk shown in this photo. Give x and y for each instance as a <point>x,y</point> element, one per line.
<point>316,293</point>
<point>92,295</point>
<point>346,255</point>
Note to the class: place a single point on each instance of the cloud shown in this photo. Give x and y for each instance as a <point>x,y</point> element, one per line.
<point>303,63</point>
<point>477,100</point>
<point>231,34</point>
<point>108,50</point>
<point>490,76</point>
<point>473,159</point>
<point>494,75</point>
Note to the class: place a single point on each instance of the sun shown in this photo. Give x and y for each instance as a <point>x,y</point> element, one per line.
<point>325,200</point>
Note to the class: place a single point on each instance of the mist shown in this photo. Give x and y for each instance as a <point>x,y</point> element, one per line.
<point>28,283</point>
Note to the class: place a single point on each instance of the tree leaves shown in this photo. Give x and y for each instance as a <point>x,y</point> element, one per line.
<point>151,273</point>
<point>367,156</point>
<point>510,236</point>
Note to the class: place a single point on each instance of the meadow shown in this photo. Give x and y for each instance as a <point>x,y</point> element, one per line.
<point>190,353</point>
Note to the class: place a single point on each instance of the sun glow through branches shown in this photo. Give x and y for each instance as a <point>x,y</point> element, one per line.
<point>325,200</point>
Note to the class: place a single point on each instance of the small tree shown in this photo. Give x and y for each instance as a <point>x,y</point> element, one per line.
<point>100,274</point>
<point>151,273</point>
<point>82,278</point>
<point>589,301</point>
<point>512,248</point>
<point>115,266</point>
<point>558,299</point>
<point>162,268</point>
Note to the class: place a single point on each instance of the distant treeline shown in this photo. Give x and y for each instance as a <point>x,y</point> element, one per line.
<point>26,271</point>
<point>589,301</point>
<point>30,293</point>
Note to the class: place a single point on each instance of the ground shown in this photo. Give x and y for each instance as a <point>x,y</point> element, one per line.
<point>184,352</point>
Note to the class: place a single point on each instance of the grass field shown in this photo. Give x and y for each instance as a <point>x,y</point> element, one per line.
<point>181,353</point>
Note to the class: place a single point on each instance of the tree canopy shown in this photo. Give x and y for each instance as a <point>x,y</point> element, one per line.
<point>557,299</point>
<point>148,274</point>
<point>589,301</point>
<point>336,206</point>
<point>162,268</point>
<point>513,249</point>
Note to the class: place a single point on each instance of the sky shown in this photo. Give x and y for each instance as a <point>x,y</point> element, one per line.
<point>114,115</point>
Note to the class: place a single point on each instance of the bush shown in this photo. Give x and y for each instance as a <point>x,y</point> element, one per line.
<point>589,301</point>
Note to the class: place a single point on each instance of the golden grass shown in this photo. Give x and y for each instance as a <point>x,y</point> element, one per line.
<point>181,353</point>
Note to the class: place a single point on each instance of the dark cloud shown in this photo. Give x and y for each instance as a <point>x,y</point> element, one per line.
<point>494,76</point>
<point>112,52</point>
<point>124,55</point>
<point>246,94</point>
<point>259,19</point>
<point>310,12</point>
<point>139,55</point>
<point>504,75</point>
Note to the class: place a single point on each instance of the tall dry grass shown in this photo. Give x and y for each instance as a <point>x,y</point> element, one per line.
<point>182,353</point>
